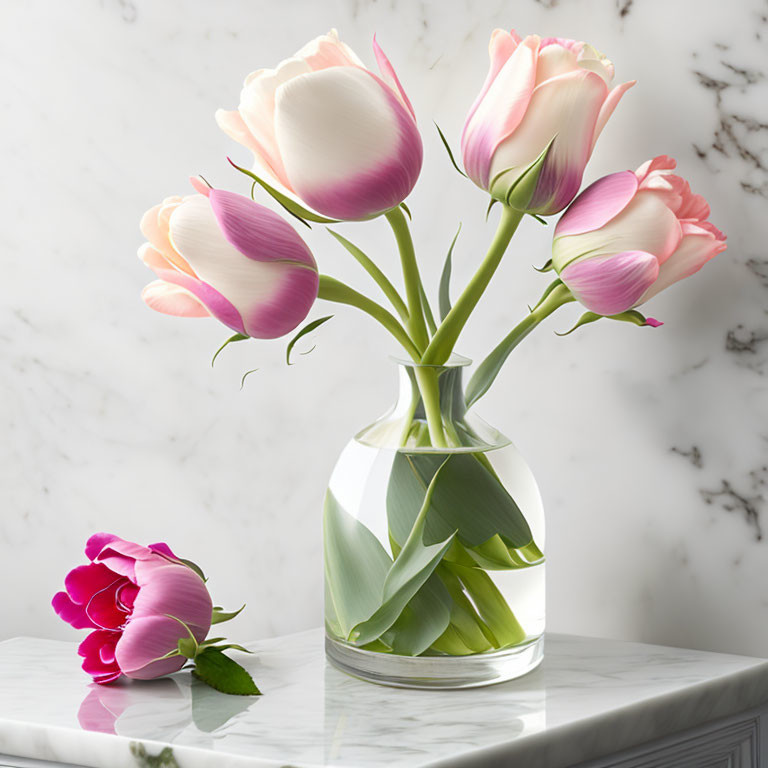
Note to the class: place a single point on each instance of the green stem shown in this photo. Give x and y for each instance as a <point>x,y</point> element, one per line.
<point>416,325</point>
<point>443,342</point>
<point>426,376</point>
<point>487,371</point>
<point>378,276</point>
<point>340,293</point>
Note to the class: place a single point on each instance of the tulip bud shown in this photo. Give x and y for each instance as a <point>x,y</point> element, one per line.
<point>220,254</point>
<point>341,138</point>
<point>630,235</point>
<point>529,134</point>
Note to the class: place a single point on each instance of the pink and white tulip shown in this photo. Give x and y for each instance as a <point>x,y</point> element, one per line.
<point>538,91</point>
<point>630,235</point>
<point>134,598</point>
<point>333,133</point>
<point>220,254</point>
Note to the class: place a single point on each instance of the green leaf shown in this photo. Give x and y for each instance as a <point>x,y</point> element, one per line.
<point>187,647</point>
<point>490,205</point>
<point>411,569</point>
<point>407,210</point>
<point>356,565</point>
<point>540,219</point>
<point>219,615</point>
<point>246,375</point>
<point>444,296</point>
<point>224,674</point>
<point>520,192</point>
<point>308,328</point>
<point>194,566</point>
<point>295,209</point>
<point>448,150</point>
<point>423,620</point>
<point>587,317</point>
<point>490,604</point>
<point>467,498</point>
<point>548,266</point>
<point>230,340</point>
<point>428,315</point>
<point>551,287</point>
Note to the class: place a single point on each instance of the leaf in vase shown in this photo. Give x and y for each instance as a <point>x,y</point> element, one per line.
<point>413,566</point>
<point>356,565</point>
<point>423,620</point>
<point>468,498</point>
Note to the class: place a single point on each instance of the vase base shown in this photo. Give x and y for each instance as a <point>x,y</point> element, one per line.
<point>446,672</point>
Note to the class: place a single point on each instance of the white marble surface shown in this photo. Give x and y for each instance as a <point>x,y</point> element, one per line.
<point>590,698</point>
<point>650,446</point>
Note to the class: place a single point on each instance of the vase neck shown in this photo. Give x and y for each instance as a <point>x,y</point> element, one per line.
<point>429,413</point>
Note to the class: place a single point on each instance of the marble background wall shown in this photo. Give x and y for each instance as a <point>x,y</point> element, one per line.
<point>650,446</point>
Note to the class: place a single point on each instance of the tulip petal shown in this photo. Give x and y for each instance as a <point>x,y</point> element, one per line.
<point>173,300</point>
<point>645,224</point>
<point>501,47</point>
<point>390,76</point>
<point>265,150</point>
<point>71,612</point>
<point>328,51</point>
<point>145,640</point>
<point>94,649</point>
<point>565,109</point>
<point>255,290</point>
<point>598,204</point>
<point>83,582</point>
<point>257,232</point>
<point>103,609</point>
<point>172,589</point>
<point>696,248</point>
<point>613,284</point>
<point>606,110</point>
<point>350,148</point>
<point>96,543</point>
<point>500,113</point>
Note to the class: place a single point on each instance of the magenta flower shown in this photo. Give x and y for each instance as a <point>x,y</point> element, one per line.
<point>220,254</point>
<point>139,602</point>
<point>630,235</point>
<point>538,91</point>
<point>338,136</point>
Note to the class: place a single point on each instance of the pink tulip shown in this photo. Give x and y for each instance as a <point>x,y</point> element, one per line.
<point>220,254</point>
<point>341,138</point>
<point>630,235</point>
<point>134,599</point>
<point>538,91</point>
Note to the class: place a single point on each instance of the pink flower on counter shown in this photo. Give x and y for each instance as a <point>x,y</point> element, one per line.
<point>220,254</point>
<point>538,91</point>
<point>137,600</point>
<point>338,136</point>
<point>630,235</point>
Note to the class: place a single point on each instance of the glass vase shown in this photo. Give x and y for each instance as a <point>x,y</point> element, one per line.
<point>433,539</point>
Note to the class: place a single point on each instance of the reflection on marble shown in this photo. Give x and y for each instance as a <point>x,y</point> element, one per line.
<point>113,419</point>
<point>590,698</point>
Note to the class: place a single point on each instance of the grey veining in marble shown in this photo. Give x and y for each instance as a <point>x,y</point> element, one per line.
<point>650,446</point>
<point>590,698</point>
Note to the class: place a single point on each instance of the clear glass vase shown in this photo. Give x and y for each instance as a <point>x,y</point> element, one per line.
<point>433,539</point>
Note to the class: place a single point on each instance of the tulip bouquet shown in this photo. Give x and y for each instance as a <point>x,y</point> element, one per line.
<point>333,141</point>
<point>149,612</point>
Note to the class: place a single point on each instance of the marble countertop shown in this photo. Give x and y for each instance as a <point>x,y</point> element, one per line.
<point>589,698</point>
